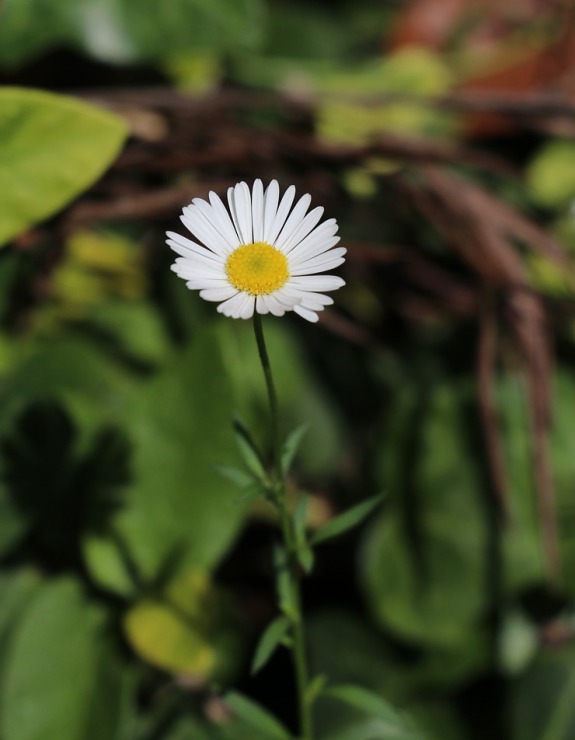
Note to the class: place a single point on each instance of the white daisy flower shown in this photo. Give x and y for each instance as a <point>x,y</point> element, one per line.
<point>261,255</point>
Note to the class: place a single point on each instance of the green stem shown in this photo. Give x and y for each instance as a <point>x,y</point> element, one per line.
<point>289,541</point>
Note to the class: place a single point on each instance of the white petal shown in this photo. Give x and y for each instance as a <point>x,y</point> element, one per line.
<point>304,313</point>
<point>316,301</point>
<point>196,283</point>
<point>281,215</point>
<point>314,242</point>
<point>225,220</point>
<point>187,248</point>
<point>232,305</point>
<point>187,268</point>
<point>258,211</point>
<point>321,263</point>
<point>317,283</point>
<point>221,228</point>
<point>218,294</point>
<point>309,223</point>
<point>243,202</point>
<point>247,310</point>
<point>294,221</point>
<point>276,306</point>
<point>193,220</point>
<point>261,305</point>
<point>233,212</point>
<point>271,199</point>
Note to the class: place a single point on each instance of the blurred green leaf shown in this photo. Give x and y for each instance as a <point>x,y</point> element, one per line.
<point>249,451</point>
<point>52,685</point>
<point>118,31</point>
<point>551,174</point>
<point>347,520</point>
<point>270,640</point>
<point>51,149</point>
<point>291,446</point>
<point>391,724</point>
<point>186,629</point>
<point>424,573</point>
<point>179,426</point>
<point>544,698</point>
<point>255,716</point>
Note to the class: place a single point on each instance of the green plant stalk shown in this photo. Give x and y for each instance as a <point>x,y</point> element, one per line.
<point>289,542</point>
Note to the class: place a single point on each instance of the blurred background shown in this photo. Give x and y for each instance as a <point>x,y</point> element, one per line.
<point>133,583</point>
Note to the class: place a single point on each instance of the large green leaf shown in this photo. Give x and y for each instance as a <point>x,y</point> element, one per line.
<point>51,149</point>
<point>424,561</point>
<point>58,681</point>
<point>180,428</point>
<point>544,698</point>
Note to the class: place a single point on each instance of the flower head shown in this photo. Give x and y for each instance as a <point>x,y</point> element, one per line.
<point>262,255</point>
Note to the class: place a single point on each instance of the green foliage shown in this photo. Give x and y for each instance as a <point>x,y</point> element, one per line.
<point>544,698</point>
<point>59,678</point>
<point>423,572</point>
<point>51,148</point>
<point>270,640</point>
<point>185,628</point>
<point>346,521</point>
<point>256,717</point>
<point>119,31</point>
<point>550,176</point>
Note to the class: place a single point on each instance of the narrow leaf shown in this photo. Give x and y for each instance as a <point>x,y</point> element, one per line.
<point>235,475</point>
<point>269,642</point>
<point>300,517</point>
<point>283,583</point>
<point>368,702</point>
<point>249,451</point>
<point>255,716</point>
<point>315,688</point>
<point>291,446</point>
<point>249,493</point>
<point>305,556</point>
<point>349,519</point>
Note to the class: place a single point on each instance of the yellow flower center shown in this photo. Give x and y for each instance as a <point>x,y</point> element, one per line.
<point>258,269</point>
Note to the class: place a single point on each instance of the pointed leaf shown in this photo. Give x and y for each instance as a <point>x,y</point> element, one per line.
<point>249,451</point>
<point>291,446</point>
<point>305,556</point>
<point>315,688</point>
<point>349,519</point>
<point>235,475</point>
<point>255,716</point>
<point>368,702</point>
<point>270,641</point>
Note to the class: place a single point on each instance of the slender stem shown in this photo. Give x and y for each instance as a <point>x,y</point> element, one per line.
<point>289,541</point>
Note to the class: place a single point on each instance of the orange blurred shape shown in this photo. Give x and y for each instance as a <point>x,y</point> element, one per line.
<point>502,48</point>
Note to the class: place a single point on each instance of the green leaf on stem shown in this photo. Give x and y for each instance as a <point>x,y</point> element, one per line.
<point>291,446</point>
<point>315,688</point>
<point>370,703</point>
<point>255,716</point>
<point>349,519</point>
<point>236,475</point>
<point>250,493</point>
<point>283,583</point>
<point>270,640</point>
<point>299,517</point>
<point>305,556</point>
<point>249,451</point>
<point>303,551</point>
